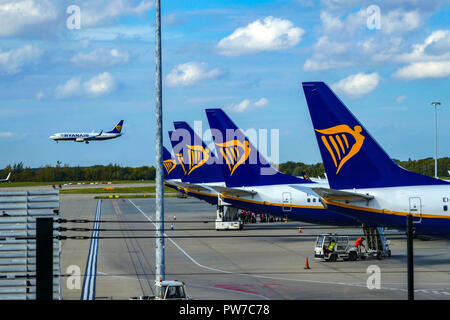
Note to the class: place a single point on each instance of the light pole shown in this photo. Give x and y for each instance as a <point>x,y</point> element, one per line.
<point>435,104</point>
<point>159,203</point>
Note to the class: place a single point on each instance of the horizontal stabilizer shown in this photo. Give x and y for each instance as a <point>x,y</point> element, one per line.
<point>192,186</point>
<point>344,196</point>
<point>234,191</point>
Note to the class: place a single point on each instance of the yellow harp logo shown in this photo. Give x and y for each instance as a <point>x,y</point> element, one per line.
<point>198,156</point>
<point>336,141</point>
<point>235,153</point>
<point>169,165</point>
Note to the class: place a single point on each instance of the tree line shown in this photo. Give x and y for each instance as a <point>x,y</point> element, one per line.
<point>67,173</point>
<point>423,166</point>
<point>115,172</point>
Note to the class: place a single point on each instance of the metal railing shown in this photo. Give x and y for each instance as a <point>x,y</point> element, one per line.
<point>18,213</point>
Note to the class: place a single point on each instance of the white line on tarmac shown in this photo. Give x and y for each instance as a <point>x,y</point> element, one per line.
<point>361,285</point>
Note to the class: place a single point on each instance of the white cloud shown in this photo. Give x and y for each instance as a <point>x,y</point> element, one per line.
<point>400,21</point>
<point>105,11</point>
<point>422,70</point>
<point>357,85</point>
<point>246,105</point>
<point>345,39</point>
<point>40,95</point>
<point>69,89</point>
<point>13,61</point>
<point>190,73</point>
<point>97,86</point>
<point>266,34</point>
<point>435,47</point>
<point>17,16</point>
<point>101,58</point>
<point>430,59</point>
<point>4,135</point>
<point>100,85</point>
<point>401,98</point>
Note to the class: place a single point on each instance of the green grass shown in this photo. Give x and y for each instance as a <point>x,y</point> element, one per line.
<point>116,190</point>
<point>131,196</point>
<point>57,183</point>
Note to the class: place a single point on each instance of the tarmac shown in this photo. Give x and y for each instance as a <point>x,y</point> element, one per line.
<point>264,261</point>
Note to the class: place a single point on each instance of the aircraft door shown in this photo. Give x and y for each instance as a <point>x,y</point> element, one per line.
<point>287,201</point>
<point>415,208</point>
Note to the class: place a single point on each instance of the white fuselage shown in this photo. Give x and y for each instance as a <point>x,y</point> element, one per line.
<point>421,201</point>
<point>82,137</point>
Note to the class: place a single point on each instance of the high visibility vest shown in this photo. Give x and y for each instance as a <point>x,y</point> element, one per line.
<point>331,247</point>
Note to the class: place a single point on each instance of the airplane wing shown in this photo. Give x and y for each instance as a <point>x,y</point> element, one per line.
<point>192,186</point>
<point>234,191</point>
<point>94,136</point>
<point>217,189</point>
<point>344,196</point>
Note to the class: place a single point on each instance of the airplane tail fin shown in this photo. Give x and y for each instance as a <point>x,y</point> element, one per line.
<point>197,161</point>
<point>117,128</point>
<point>351,157</point>
<point>241,162</point>
<point>7,178</point>
<point>170,166</point>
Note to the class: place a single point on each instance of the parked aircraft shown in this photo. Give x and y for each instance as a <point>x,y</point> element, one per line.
<point>262,188</point>
<point>365,183</point>
<point>7,178</point>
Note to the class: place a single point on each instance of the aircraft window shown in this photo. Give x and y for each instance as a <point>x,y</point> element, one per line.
<point>308,200</point>
<point>314,199</point>
<point>445,208</point>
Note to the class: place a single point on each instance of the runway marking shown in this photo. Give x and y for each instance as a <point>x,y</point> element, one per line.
<point>90,274</point>
<point>136,252</point>
<point>361,285</point>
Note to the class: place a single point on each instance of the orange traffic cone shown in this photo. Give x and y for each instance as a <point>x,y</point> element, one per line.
<point>299,229</point>
<point>307,264</point>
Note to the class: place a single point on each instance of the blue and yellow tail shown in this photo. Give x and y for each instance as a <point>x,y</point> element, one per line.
<point>351,157</point>
<point>117,128</point>
<point>241,163</point>
<point>170,166</point>
<point>197,162</point>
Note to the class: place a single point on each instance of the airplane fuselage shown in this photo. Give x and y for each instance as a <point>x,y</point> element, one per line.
<point>83,137</point>
<point>282,201</point>
<point>429,206</point>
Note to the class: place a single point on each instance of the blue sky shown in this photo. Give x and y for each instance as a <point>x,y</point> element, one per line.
<point>248,57</point>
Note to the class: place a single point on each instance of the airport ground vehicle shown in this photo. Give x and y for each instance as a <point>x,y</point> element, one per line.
<point>377,246</point>
<point>342,250</point>
<point>167,290</point>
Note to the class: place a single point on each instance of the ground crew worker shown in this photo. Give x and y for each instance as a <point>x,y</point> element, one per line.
<point>331,245</point>
<point>359,244</point>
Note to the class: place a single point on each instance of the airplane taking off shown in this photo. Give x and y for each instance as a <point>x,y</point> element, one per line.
<point>365,183</point>
<point>87,137</point>
<point>7,178</point>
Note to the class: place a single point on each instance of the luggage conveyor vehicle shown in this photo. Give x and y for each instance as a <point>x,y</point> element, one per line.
<point>377,246</point>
